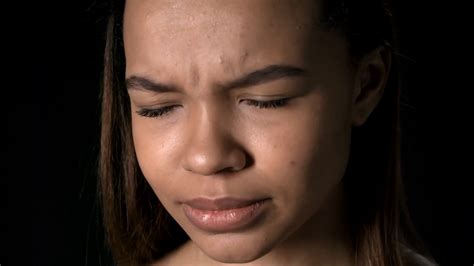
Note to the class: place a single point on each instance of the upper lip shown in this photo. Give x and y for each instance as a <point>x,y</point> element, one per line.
<point>224,203</point>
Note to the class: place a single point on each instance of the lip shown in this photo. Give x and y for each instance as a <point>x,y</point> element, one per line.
<point>223,214</point>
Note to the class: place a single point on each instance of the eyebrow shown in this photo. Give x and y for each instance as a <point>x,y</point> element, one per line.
<point>264,75</point>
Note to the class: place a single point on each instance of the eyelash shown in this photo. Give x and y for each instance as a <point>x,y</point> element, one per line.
<point>155,112</point>
<point>258,104</point>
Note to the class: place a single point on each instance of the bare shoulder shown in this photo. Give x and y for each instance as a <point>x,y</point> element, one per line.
<point>180,256</point>
<point>412,258</point>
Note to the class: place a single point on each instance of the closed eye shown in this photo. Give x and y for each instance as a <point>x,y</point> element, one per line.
<point>268,104</point>
<point>162,111</point>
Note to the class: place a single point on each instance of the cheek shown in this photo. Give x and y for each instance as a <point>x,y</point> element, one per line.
<point>155,151</point>
<point>306,157</point>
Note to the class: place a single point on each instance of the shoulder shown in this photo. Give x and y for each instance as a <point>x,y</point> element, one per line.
<point>413,258</point>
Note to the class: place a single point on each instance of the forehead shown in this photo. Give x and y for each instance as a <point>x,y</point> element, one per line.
<point>230,35</point>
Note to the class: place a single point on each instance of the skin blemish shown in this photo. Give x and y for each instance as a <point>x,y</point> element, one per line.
<point>244,57</point>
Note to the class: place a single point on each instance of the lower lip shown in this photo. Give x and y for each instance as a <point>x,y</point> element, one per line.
<point>219,221</point>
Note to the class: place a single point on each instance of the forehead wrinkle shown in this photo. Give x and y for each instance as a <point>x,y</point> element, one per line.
<point>205,74</point>
<point>193,75</point>
<point>232,66</point>
<point>167,27</point>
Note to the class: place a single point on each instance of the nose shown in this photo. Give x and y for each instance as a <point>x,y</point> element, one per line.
<point>211,147</point>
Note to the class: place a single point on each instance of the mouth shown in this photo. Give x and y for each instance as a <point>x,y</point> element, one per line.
<point>223,214</point>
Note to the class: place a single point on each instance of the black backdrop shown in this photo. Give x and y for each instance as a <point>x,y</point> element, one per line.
<point>49,215</point>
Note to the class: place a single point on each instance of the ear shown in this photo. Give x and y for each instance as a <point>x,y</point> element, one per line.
<point>369,84</point>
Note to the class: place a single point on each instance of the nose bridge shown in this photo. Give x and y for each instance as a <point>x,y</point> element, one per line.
<point>210,126</point>
<point>211,146</point>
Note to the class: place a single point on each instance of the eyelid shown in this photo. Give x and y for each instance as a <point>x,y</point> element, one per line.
<point>274,103</point>
<point>259,104</point>
<point>156,112</point>
<point>264,96</point>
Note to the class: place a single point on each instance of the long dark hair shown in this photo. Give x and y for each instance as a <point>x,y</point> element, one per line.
<point>139,230</point>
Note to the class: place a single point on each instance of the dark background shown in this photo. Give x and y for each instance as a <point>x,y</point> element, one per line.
<point>49,214</point>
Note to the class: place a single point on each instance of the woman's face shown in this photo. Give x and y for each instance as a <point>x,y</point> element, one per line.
<point>238,176</point>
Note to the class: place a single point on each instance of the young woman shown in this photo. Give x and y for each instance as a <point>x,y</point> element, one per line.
<point>257,132</point>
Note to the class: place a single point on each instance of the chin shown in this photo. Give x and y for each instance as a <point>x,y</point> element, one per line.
<point>235,256</point>
<point>234,248</point>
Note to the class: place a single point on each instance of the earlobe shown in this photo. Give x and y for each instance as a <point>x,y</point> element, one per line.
<point>369,83</point>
